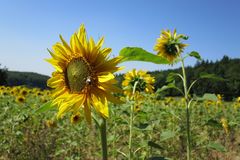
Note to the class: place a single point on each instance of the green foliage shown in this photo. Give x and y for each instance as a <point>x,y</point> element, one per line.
<point>3,76</point>
<point>221,77</point>
<point>139,54</point>
<point>45,107</point>
<point>158,131</point>
<point>28,79</point>
<point>216,146</point>
<point>166,135</point>
<point>196,55</point>
<point>208,97</point>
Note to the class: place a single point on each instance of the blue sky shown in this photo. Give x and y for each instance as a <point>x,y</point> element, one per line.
<point>28,27</point>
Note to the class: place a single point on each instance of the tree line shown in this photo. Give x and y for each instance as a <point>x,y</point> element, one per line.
<point>226,68</point>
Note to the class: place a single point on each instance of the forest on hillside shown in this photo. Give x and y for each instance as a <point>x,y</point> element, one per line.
<point>227,68</point>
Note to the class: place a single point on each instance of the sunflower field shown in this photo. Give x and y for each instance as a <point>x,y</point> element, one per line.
<point>85,115</point>
<point>158,129</point>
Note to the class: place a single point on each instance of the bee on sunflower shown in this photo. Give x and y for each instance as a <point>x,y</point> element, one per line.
<point>84,75</point>
<point>144,83</point>
<point>169,45</point>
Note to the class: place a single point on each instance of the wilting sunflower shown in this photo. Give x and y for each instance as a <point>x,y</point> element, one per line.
<point>84,75</point>
<point>144,82</point>
<point>169,45</point>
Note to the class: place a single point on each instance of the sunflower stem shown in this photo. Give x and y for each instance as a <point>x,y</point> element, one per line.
<point>130,155</point>
<point>103,131</point>
<point>187,111</point>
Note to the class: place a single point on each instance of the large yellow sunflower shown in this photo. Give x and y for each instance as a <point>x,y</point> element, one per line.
<point>84,75</point>
<point>169,45</point>
<point>145,82</point>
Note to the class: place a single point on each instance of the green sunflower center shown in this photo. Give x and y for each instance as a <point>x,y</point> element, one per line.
<point>77,74</point>
<point>141,85</point>
<point>172,47</point>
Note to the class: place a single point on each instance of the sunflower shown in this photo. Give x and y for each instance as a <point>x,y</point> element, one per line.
<point>75,118</point>
<point>20,99</point>
<point>224,123</point>
<point>50,123</point>
<point>145,82</point>
<point>24,92</point>
<point>84,75</point>
<point>169,45</point>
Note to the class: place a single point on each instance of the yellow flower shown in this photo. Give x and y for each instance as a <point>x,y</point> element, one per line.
<point>219,96</point>
<point>84,75</point>
<point>50,123</point>
<point>23,92</point>
<point>145,82</point>
<point>238,99</point>
<point>225,125</point>
<point>137,108</point>
<point>169,45</point>
<point>75,118</point>
<point>20,99</point>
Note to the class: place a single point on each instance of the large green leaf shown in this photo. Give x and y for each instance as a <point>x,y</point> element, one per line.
<point>209,97</point>
<point>45,107</point>
<point>211,76</point>
<point>196,55</point>
<point>166,135</point>
<point>216,146</point>
<point>139,54</point>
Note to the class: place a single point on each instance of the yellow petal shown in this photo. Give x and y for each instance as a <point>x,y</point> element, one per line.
<point>105,78</point>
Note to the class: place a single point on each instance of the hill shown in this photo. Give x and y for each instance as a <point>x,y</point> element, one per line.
<point>28,79</point>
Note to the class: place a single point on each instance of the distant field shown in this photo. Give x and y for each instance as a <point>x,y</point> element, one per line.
<point>159,129</point>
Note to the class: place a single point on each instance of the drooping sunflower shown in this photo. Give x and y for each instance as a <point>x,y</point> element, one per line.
<point>144,82</point>
<point>84,75</point>
<point>169,45</point>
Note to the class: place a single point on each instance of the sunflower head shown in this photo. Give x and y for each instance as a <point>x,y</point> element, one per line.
<point>75,118</point>
<point>169,45</point>
<point>144,82</point>
<point>84,75</point>
<point>224,123</point>
<point>20,99</point>
<point>24,92</point>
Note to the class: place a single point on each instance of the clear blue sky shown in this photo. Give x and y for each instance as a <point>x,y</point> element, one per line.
<point>29,27</point>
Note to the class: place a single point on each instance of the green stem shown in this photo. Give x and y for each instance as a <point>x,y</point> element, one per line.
<point>131,124</point>
<point>103,131</point>
<point>187,112</point>
<point>130,133</point>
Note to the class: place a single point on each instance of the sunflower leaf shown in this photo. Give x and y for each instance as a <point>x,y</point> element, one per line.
<point>216,146</point>
<point>45,107</point>
<point>166,135</point>
<point>196,55</point>
<point>139,54</point>
<point>211,76</point>
<point>208,97</point>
